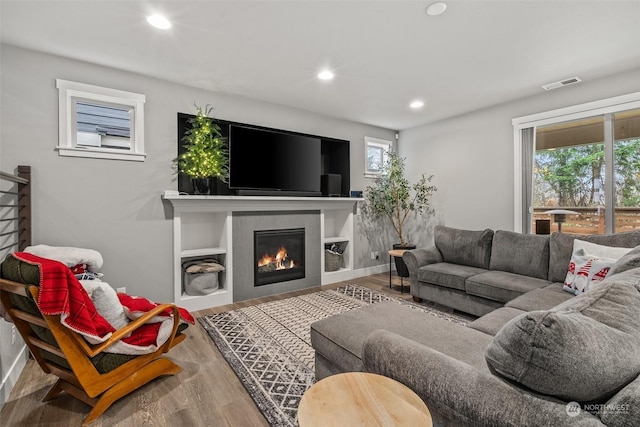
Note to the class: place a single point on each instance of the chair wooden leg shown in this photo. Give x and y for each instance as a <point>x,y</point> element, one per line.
<point>54,391</point>
<point>157,368</point>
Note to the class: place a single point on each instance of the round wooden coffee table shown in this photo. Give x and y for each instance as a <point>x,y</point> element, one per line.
<point>361,399</point>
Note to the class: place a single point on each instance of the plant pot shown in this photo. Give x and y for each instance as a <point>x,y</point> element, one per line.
<point>401,267</point>
<point>201,186</point>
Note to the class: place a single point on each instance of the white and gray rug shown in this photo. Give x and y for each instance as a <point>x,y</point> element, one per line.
<point>268,345</point>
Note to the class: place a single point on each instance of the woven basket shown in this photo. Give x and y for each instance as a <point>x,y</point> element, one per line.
<point>332,260</point>
<point>200,283</point>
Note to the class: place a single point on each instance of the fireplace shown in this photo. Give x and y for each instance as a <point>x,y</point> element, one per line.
<point>278,255</point>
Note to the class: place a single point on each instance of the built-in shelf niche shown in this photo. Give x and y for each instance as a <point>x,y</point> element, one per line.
<point>202,226</point>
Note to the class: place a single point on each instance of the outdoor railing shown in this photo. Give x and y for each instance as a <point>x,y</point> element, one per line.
<point>590,220</point>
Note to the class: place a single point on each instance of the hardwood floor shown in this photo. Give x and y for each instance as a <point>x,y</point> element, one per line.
<point>206,393</point>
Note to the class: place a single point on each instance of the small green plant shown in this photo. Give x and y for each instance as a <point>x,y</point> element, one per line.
<point>206,154</point>
<point>395,198</point>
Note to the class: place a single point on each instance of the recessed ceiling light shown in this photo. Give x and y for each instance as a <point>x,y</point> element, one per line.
<point>416,104</point>
<point>159,21</point>
<point>436,8</point>
<point>326,75</point>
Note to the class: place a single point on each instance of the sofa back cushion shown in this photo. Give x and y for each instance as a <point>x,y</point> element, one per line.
<point>628,262</point>
<point>585,349</point>
<point>465,247</point>
<point>526,254</point>
<point>561,248</point>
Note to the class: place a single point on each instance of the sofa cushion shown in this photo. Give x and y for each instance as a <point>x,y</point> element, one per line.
<point>561,248</point>
<point>526,254</point>
<point>466,247</point>
<point>629,261</point>
<point>448,275</point>
<point>585,349</point>
<point>624,408</point>
<point>492,322</point>
<point>541,298</point>
<point>501,286</point>
<point>340,338</point>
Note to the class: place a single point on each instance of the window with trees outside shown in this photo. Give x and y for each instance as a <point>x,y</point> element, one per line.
<point>591,166</point>
<point>584,158</point>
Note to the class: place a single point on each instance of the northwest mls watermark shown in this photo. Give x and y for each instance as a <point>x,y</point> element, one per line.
<point>573,409</point>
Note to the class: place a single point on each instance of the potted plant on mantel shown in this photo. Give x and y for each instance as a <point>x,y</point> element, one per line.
<point>206,155</point>
<point>395,198</point>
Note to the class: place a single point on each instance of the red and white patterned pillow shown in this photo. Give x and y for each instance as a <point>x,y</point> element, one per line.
<point>586,271</point>
<point>590,264</point>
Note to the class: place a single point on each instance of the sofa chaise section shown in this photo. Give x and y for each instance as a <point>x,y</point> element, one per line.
<point>338,340</point>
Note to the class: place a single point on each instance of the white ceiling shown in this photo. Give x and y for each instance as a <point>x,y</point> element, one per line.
<point>384,53</point>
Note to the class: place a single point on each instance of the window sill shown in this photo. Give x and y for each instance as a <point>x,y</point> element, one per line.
<point>102,153</point>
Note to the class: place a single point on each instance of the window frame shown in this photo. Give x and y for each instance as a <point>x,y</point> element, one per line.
<point>612,105</point>
<point>69,93</point>
<point>383,144</point>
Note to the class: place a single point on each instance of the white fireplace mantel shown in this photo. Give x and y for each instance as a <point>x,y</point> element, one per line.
<point>193,203</point>
<point>202,226</point>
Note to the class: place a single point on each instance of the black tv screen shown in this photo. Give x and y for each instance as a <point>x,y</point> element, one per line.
<point>261,159</point>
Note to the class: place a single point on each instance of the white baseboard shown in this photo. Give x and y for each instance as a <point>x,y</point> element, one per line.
<point>367,271</point>
<point>13,373</point>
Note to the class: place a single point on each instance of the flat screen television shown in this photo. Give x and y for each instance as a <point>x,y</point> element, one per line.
<point>263,161</point>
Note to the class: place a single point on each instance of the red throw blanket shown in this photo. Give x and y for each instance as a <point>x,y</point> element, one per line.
<point>62,294</point>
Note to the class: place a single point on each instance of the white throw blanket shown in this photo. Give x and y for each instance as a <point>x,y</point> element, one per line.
<point>69,256</point>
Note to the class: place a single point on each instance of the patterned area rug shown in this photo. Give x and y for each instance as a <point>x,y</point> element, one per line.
<point>269,348</point>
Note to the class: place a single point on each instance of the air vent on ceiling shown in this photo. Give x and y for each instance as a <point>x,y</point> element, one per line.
<point>565,82</point>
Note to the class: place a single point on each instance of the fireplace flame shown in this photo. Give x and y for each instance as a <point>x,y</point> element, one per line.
<point>280,260</point>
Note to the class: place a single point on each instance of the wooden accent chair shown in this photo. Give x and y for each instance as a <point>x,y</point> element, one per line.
<point>85,371</point>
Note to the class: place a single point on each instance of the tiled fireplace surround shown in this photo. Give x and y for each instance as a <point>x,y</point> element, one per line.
<point>245,223</point>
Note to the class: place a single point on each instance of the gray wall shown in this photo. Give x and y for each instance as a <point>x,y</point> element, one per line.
<point>471,156</point>
<point>115,206</point>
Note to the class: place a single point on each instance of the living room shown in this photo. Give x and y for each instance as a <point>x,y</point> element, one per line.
<point>116,206</point>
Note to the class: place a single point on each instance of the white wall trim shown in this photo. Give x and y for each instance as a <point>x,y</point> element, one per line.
<point>12,375</point>
<point>603,106</point>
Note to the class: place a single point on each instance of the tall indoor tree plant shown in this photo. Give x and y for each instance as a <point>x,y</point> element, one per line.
<point>394,198</point>
<point>206,155</point>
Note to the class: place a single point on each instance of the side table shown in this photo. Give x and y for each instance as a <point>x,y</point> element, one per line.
<point>397,253</point>
<point>361,399</point>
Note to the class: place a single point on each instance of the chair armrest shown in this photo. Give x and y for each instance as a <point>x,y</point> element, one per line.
<point>456,391</point>
<point>93,350</point>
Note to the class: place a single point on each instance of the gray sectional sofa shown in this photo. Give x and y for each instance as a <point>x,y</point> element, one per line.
<point>477,272</point>
<point>539,357</point>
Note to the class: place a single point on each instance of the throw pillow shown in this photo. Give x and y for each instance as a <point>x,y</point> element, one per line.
<point>590,263</point>
<point>585,271</point>
<point>106,301</point>
<point>600,250</point>
<point>585,349</point>
<point>561,248</point>
<point>630,261</point>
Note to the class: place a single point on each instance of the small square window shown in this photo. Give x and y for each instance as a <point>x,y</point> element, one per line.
<point>376,153</point>
<point>100,122</point>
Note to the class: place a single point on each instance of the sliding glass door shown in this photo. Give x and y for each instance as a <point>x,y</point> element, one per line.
<point>591,167</point>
